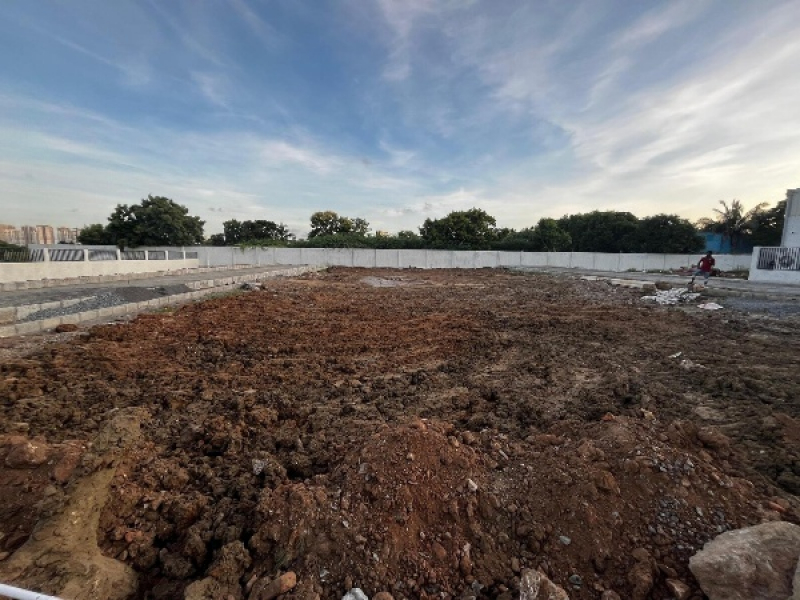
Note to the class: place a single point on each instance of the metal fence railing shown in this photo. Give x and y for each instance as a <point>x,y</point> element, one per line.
<point>191,255</point>
<point>21,255</point>
<point>779,259</point>
<point>174,255</point>
<point>156,255</point>
<point>65,255</point>
<point>102,254</point>
<point>133,255</point>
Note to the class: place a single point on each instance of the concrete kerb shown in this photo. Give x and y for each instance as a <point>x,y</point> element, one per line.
<point>134,307</point>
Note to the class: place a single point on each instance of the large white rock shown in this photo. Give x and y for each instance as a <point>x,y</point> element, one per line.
<point>535,585</point>
<point>754,563</point>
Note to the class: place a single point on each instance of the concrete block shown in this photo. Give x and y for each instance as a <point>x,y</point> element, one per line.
<point>313,256</point>
<point>289,256</point>
<point>416,259</point>
<point>50,323</point>
<point>364,257</point>
<point>73,319</point>
<point>8,315</point>
<point>105,313</point>
<point>632,261</point>
<point>533,259</point>
<point>89,315</point>
<point>27,309</point>
<point>441,259</point>
<point>559,259</point>
<point>385,258</point>
<point>486,259</point>
<point>606,262</point>
<point>342,257</point>
<point>29,327</point>
<point>582,260</point>
<point>8,331</point>
<point>509,259</point>
<point>50,305</point>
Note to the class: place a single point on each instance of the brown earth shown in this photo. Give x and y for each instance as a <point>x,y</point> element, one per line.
<point>425,433</point>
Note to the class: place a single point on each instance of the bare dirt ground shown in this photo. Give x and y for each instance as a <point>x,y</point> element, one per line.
<point>424,433</point>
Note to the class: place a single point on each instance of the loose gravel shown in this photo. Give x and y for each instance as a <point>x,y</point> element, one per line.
<point>772,308</point>
<point>107,299</point>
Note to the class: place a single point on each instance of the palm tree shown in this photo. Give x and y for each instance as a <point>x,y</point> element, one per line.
<point>733,222</point>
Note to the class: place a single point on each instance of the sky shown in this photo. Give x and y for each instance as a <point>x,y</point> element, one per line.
<point>395,110</point>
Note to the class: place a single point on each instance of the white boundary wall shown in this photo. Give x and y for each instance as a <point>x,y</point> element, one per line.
<point>771,275</point>
<point>215,256</point>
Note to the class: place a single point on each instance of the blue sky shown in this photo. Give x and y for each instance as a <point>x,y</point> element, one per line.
<point>395,110</point>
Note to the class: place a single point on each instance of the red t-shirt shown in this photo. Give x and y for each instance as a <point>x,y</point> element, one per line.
<point>706,263</point>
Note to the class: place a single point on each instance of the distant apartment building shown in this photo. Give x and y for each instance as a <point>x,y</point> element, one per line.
<point>45,234</point>
<point>39,234</point>
<point>67,235</point>
<point>28,235</point>
<point>9,234</point>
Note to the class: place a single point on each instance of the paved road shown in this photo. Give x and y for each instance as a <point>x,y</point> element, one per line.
<point>171,284</point>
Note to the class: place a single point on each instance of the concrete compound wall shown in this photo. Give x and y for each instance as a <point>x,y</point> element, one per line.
<point>772,275</point>
<point>457,259</point>
<point>12,272</point>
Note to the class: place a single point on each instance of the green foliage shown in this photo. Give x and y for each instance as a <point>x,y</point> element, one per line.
<point>253,233</point>
<point>547,236</point>
<point>94,235</point>
<point>325,223</point>
<point>598,231</point>
<point>666,234</point>
<point>767,226</point>
<point>473,229</point>
<point>156,221</point>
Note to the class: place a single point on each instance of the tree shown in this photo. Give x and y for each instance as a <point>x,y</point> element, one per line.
<point>606,231</point>
<point>330,223</point>
<point>768,226</point>
<point>94,235</point>
<point>156,221</point>
<point>733,222</point>
<point>471,229</point>
<point>667,234</point>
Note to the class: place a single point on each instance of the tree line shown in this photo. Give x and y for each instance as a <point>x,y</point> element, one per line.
<point>159,221</point>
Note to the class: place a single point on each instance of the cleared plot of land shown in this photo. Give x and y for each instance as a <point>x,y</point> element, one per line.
<point>417,432</point>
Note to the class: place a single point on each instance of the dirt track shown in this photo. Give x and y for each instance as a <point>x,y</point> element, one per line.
<point>419,432</point>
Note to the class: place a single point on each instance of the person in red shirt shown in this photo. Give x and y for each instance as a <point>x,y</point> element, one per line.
<point>704,268</point>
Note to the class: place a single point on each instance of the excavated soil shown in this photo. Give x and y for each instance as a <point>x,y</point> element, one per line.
<point>424,433</point>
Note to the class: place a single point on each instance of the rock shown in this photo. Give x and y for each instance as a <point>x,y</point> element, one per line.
<point>575,580</point>
<point>355,594</point>
<point>26,455</point>
<point>534,585</point>
<point>795,585</point>
<point>754,562</point>
<point>383,596</point>
<point>264,589</point>
<point>66,328</point>
<point>515,564</point>
<point>564,540</point>
<point>439,551</point>
<point>640,578</point>
<point>465,565</point>
<point>713,438</point>
<point>680,590</point>
<point>641,555</point>
<point>230,562</point>
<point>610,595</point>
<point>472,486</point>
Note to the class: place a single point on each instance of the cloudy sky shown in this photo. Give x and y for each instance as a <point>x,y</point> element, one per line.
<point>395,110</point>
